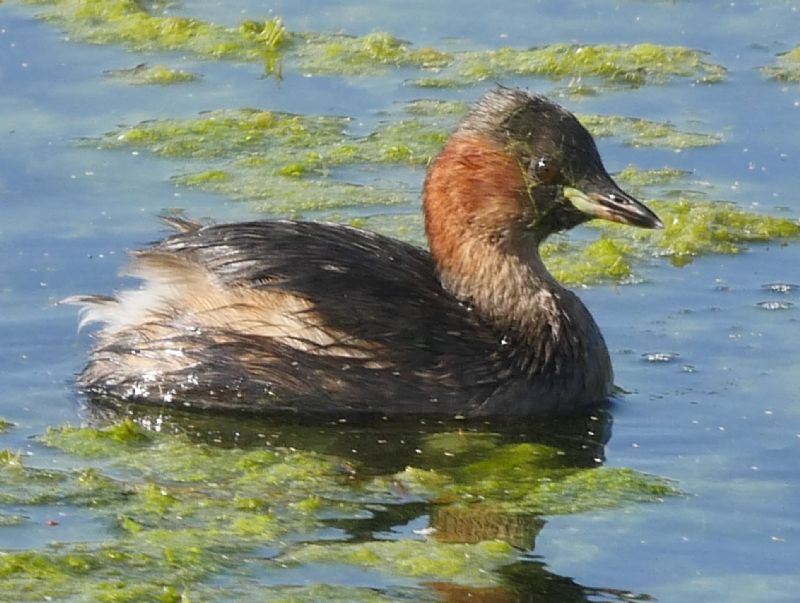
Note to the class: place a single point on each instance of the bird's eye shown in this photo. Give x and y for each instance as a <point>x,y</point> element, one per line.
<point>547,171</point>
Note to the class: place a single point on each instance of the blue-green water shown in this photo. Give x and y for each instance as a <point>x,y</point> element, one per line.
<point>722,417</point>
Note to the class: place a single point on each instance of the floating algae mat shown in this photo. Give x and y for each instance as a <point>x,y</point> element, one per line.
<point>129,22</point>
<point>142,28</point>
<point>282,162</point>
<point>152,75</point>
<point>786,68</point>
<point>367,55</point>
<point>691,228</point>
<point>186,520</point>
<point>646,133</point>
<point>291,164</point>
<point>628,65</point>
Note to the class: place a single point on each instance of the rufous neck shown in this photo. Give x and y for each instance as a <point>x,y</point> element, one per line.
<point>477,213</point>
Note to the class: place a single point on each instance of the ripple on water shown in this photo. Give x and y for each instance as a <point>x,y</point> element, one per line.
<point>775,305</point>
<point>660,356</point>
<point>780,287</point>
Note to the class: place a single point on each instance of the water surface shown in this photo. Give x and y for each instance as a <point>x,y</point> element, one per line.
<point>707,353</point>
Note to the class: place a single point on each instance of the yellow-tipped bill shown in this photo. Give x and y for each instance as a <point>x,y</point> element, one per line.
<point>614,205</point>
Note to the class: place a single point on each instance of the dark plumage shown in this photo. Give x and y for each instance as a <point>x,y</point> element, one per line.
<point>321,318</point>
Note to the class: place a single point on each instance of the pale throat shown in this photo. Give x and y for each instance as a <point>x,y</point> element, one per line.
<point>511,289</point>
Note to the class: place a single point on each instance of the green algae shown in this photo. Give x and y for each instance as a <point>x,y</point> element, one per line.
<point>280,162</point>
<point>366,55</point>
<point>23,485</point>
<point>181,513</point>
<point>58,571</point>
<point>613,65</point>
<point>289,193</point>
<point>632,65</point>
<point>436,108</point>
<point>692,228</point>
<point>294,144</point>
<point>31,486</point>
<point>470,564</point>
<point>7,520</point>
<point>646,133</point>
<point>334,593</point>
<point>227,133</point>
<point>604,259</point>
<point>636,178</point>
<point>602,488</point>
<point>10,459</point>
<point>134,24</point>
<point>313,144</point>
<point>437,82</point>
<point>98,442</point>
<point>695,228</point>
<point>5,425</point>
<point>292,164</point>
<point>285,163</point>
<point>525,478</point>
<point>786,67</point>
<point>459,444</point>
<point>104,574</point>
<point>270,34</point>
<point>409,141</point>
<point>160,75</point>
<point>207,178</point>
<point>129,22</point>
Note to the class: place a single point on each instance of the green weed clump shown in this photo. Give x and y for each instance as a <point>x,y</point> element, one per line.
<point>159,75</point>
<point>633,65</point>
<point>694,228</point>
<point>646,133</point>
<point>367,55</point>
<point>130,23</point>
<point>786,68</point>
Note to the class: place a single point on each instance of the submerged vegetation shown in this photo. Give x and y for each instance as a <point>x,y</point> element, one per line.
<point>185,520</point>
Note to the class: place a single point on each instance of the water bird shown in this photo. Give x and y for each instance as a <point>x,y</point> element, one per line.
<point>316,318</point>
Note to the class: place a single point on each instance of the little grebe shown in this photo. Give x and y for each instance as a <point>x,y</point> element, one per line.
<point>322,318</point>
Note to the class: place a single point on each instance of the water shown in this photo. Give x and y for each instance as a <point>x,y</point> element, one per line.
<point>707,352</point>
